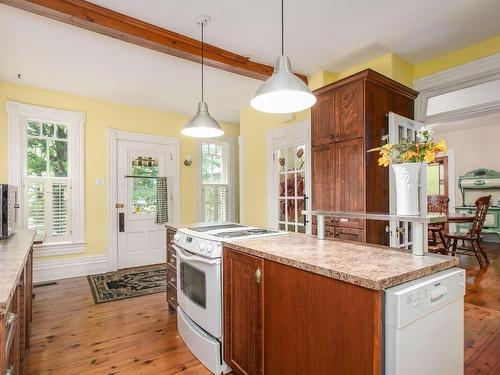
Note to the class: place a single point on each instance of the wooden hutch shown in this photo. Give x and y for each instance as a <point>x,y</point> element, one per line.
<point>349,118</point>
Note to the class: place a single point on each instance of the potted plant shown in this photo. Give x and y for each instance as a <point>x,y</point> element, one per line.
<point>406,159</point>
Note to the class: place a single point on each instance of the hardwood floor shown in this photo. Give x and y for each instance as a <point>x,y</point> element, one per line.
<point>482,314</point>
<point>136,336</point>
<point>73,336</point>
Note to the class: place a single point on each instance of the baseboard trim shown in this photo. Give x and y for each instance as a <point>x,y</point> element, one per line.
<point>50,270</point>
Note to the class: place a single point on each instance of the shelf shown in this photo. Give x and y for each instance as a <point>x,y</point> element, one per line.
<point>430,218</point>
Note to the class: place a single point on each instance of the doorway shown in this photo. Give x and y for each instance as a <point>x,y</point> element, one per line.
<point>136,162</point>
<point>437,177</point>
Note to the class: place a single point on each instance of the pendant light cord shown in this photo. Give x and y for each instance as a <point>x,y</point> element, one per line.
<point>202,61</point>
<point>282,31</point>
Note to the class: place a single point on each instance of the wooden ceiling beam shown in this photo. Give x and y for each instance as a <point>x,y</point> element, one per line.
<point>119,26</point>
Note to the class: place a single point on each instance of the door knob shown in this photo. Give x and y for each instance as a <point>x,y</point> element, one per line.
<point>258,275</point>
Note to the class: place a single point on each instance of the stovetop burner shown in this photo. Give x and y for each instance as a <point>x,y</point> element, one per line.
<point>244,233</point>
<point>211,227</point>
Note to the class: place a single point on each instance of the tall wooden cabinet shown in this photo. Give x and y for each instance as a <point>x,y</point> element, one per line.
<point>349,118</point>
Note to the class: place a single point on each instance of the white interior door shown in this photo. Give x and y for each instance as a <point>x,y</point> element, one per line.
<point>140,240</point>
<point>401,232</point>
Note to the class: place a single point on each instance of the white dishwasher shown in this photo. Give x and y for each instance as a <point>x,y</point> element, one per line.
<point>424,325</point>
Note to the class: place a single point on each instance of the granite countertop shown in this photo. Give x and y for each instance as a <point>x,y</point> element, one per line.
<point>13,255</point>
<point>370,266</point>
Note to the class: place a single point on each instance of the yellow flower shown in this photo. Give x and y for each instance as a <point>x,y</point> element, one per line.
<point>430,156</point>
<point>383,161</point>
<point>441,146</point>
<point>409,154</point>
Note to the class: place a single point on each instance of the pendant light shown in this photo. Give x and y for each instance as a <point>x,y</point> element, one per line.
<point>283,92</point>
<point>202,125</point>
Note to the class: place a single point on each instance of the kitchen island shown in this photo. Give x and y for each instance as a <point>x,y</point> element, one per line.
<point>298,305</point>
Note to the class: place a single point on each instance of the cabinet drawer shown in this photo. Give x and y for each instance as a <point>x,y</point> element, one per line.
<point>347,222</point>
<point>329,230</point>
<point>351,234</point>
<point>172,295</point>
<point>172,276</point>
<point>170,237</point>
<point>172,257</point>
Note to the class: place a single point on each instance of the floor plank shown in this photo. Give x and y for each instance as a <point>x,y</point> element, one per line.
<point>138,336</point>
<point>71,335</point>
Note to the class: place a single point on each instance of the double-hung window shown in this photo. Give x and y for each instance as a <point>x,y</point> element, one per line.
<point>46,163</point>
<point>216,181</point>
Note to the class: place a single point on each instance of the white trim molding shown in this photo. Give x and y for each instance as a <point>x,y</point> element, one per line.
<point>113,136</point>
<point>17,116</point>
<point>288,136</point>
<point>241,184</point>
<point>50,270</point>
<point>467,75</point>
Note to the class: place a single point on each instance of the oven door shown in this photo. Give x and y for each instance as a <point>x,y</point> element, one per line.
<point>199,290</point>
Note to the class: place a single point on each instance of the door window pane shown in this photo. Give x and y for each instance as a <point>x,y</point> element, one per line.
<point>143,190</point>
<point>290,167</point>
<point>193,284</point>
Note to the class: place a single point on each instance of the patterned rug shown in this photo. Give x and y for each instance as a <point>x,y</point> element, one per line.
<point>128,283</point>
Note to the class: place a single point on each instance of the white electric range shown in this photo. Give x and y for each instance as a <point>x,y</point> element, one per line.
<point>199,287</point>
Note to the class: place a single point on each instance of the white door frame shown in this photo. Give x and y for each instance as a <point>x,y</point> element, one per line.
<point>113,136</point>
<point>291,135</point>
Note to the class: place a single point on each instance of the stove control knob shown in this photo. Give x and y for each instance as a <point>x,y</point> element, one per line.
<point>202,246</point>
<point>177,237</point>
<point>210,248</point>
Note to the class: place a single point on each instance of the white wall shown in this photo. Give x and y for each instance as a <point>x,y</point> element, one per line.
<point>476,143</point>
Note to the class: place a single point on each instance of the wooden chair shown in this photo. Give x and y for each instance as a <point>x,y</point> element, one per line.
<point>473,236</point>
<point>437,204</point>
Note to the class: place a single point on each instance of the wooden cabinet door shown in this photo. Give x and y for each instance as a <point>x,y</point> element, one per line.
<point>322,177</point>
<point>322,119</point>
<point>349,112</point>
<point>349,175</point>
<point>243,312</point>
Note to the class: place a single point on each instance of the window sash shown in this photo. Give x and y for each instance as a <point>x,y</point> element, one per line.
<point>51,221</point>
<point>215,202</point>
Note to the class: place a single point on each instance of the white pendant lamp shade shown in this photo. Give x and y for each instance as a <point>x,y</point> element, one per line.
<point>202,125</point>
<point>283,92</point>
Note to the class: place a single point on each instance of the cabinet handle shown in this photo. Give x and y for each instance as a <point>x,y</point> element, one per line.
<point>258,275</point>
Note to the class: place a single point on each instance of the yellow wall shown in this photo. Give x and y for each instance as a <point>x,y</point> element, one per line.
<point>99,116</point>
<point>462,56</point>
<point>254,126</point>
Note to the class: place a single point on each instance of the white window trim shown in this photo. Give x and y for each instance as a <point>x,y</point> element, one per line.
<point>231,165</point>
<point>291,135</point>
<point>466,75</point>
<point>17,115</point>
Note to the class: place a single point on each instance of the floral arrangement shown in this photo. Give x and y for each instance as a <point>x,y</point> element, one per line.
<point>423,149</point>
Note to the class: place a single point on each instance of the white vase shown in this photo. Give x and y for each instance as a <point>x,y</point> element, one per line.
<point>407,176</point>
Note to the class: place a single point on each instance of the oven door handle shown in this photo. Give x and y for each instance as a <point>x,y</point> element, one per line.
<point>193,258</point>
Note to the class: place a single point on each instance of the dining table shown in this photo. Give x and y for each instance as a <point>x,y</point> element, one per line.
<point>460,218</point>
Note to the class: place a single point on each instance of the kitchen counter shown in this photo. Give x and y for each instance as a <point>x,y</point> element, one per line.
<point>370,266</point>
<point>13,255</point>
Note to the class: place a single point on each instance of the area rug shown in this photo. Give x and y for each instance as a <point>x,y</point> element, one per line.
<point>128,283</point>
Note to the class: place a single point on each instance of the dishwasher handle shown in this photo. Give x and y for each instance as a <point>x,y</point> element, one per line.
<point>437,294</point>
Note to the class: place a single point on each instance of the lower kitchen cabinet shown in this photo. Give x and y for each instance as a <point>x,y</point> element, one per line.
<point>243,312</point>
<point>282,320</point>
<point>15,322</point>
<point>171,272</point>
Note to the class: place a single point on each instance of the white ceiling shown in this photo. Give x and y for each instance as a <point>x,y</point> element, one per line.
<point>320,35</point>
